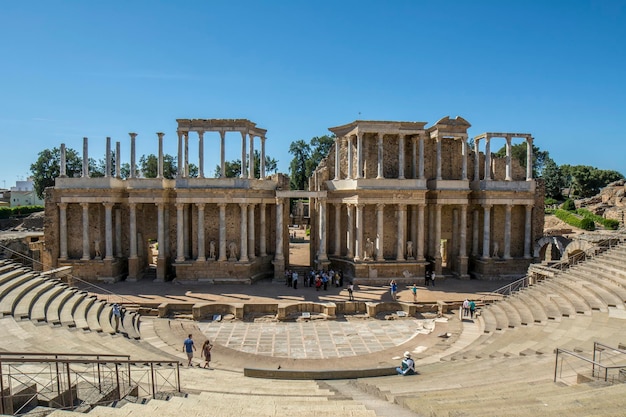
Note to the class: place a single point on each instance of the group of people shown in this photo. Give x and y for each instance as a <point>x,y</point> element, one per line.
<point>469,308</point>
<point>429,278</point>
<point>189,347</point>
<point>315,278</point>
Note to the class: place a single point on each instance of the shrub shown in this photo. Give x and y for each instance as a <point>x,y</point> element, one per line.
<point>610,224</point>
<point>587,224</point>
<point>568,205</point>
<point>5,212</point>
<point>573,220</point>
<point>549,201</point>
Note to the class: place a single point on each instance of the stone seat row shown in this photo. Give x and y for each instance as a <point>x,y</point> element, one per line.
<point>27,295</point>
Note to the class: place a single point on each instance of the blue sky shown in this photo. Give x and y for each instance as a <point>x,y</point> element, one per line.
<point>71,69</point>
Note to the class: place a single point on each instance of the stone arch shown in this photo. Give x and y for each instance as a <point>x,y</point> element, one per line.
<point>559,242</point>
<point>575,247</point>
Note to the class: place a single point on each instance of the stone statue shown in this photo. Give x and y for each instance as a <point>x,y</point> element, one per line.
<point>232,251</point>
<point>367,249</point>
<point>409,249</point>
<point>96,245</point>
<point>212,250</point>
<point>495,250</point>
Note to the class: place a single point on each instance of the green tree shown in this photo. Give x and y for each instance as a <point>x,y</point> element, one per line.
<point>586,181</point>
<point>518,152</point>
<point>553,179</point>
<point>149,166</point>
<point>48,165</point>
<point>299,168</point>
<point>233,168</point>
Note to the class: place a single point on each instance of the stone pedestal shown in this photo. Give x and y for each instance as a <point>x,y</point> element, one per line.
<point>161,270</point>
<point>133,270</point>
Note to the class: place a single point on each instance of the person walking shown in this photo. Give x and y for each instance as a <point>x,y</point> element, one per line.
<point>466,308</point>
<point>393,289</point>
<point>351,292</point>
<point>206,352</point>
<point>294,280</point>
<point>472,309</point>
<point>117,316</point>
<point>189,347</point>
<point>414,291</point>
<point>432,278</point>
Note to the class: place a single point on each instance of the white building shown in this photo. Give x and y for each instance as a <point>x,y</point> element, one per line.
<point>23,194</point>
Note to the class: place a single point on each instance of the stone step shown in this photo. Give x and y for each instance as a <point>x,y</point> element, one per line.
<point>526,317</point>
<point>578,303</point>
<point>80,313</point>
<point>13,295</point>
<point>53,310</point>
<point>583,289</point>
<point>17,278</point>
<point>24,306</point>
<point>66,312</point>
<point>11,272</point>
<point>38,310</point>
<point>537,308</point>
<point>553,303</point>
<point>612,294</point>
<point>93,314</point>
<point>512,314</point>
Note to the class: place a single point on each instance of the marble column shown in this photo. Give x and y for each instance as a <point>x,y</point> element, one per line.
<point>222,227</point>
<point>414,225</point>
<point>244,172</point>
<point>420,167</point>
<point>359,155</point>
<point>488,158</point>
<point>118,232</point>
<point>222,154</point>
<point>476,160</point>
<point>108,231</point>
<point>86,254</point>
<point>179,160</point>
<point>251,233</point>
<point>438,208</point>
<point>358,244</point>
<point>507,232</point>
<point>201,241</point>
<point>350,231</point>
<point>262,159</point>
<point>337,248</point>
<point>323,255</point>
<point>160,166</point>
<point>161,230</point>
<point>529,159</point>
<point>186,229</point>
<point>200,154</point>
<point>475,231</point>
<point>133,165</point>
<point>133,231</point>
<point>463,231</point>
<point>63,231</point>
<point>452,248</point>
<point>486,230</point>
<point>414,157</point>
<point>107,157</point>
<point>420,232</point>
<point>180,233</point>
<point>380,174</point>
<point>464,154</point>
<point>243,234</point>
<point>380,232</point>
<point>63,168</point>
<point>401,164</point>
<point>262,232</point>
<point>337,159</point>
<point>279,256</point>
<point>186,169</point>
<point>507,175</point>
<point>350,157</point>
<point>251,158</point>
<point>438,141</point>
<point>528,230</point>
<point>85,158</point>
<point>401,213</point>
<point>118,160</point>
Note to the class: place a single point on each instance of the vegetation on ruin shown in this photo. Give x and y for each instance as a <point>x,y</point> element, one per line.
<point>568,205</point>
<point>573,220</point>
<point>6,212</point>
<point>610,224</point>
<point>48,166</point>
<point>233,168</point>
<point>306,157</point>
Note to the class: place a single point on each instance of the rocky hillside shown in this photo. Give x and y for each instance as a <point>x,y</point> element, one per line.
<point>610,203</point>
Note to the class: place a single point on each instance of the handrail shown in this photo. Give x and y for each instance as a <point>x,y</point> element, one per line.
<point>78,355</point>
<point>593,362</point>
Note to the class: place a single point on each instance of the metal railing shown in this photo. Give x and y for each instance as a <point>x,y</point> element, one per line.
<point>80,381</point>
<point>599,371</point>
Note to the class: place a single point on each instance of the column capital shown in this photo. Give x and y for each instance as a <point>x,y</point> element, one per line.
<point>487,206</point>
<point>337,205</point>
<point>279,200</point>
<point>84,205</point>
<point>160,135</point>
<point>200,206</point>
<point>221,205</point>
<point>108,204</point>
<point>62,205</point>
<point>180,205</point>
<point>201,133</point>
<point>380,206</point>
<point>401,206</point>
<point>132,135</point>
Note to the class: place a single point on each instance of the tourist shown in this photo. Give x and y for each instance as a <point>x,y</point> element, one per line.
<point>189,347</point>
<point>318,283</point>
<point>407,367</point>
<point>206,352</point>
<point>351,292</point>
<point>294,280</point>
<point>414,291</point>
<point>427,278</point>
<point>472,309</point>
<point>393,288</point>
<point>325,280</point>
<point>432,278</point>
<point>466,308</point>
<point>117,316</point>
<point>341,278</point>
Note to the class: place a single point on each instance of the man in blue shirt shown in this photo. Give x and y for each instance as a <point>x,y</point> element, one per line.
<point>189,347</point>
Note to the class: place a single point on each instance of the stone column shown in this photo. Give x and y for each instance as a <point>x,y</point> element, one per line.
<point>359,155</point>
<point>243,234</point>
<point>161,230</point>
<point>133,165</point>
<point>487,158</point>
<point>279,256</point>
<point>251,158</point>
<point>350,231</point>
<point>476,161</point>
<point>262,157</point>
<point>118,161</point>
<point>222,154</point>
<point>186,170</point>
<point>251,241</point>
<point>413,225</point>
<point>86,254</point>
<point>222,256</point>
<point>486,230</point>
<point>464,153</point>
<point>507,176</point>
<point>438,140</point>
<point>380,232</point>
<point>179,172</point>
<point>401,232</point>
<point>323,256</point>
<point>380,174</point>
<point>452,248</point>
<point>475,229</point>
<point>118,232</point>
<point>414,157</point>
<point>85,158</point>
<point>63,168</point>
<point>507,232</point>
<point>200,154</point>
<point>527,230</point>
<point>350,157</point>
<point>358,244</point>
<point>63,231</point>
<point>107,163</point>
<point>438,208</point>
<point>463,264</point>
<point>201,243</point>
<point>244,172</point>
<point>420,232</point>
<point>108,231</point>
<point>337,229</point>
<point>133,231</point>
<point>180,233</point>
<point>420,167</point>
<point>529,159</point>
<point>262,236</point>
<point>160,167</point>
<point>186,229</point>
<point>401,157</point>
<point>337,166</point>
